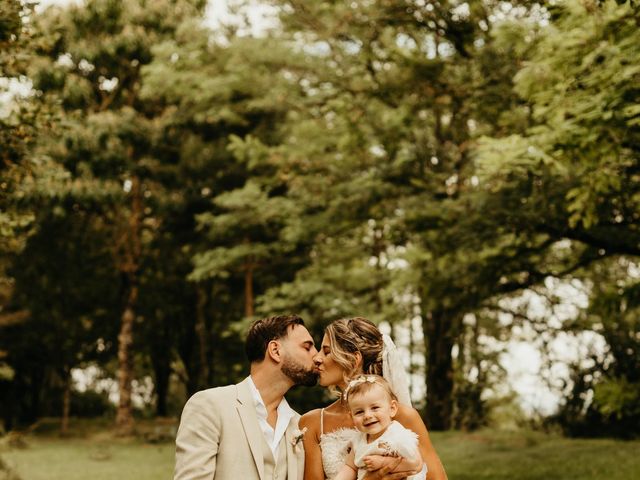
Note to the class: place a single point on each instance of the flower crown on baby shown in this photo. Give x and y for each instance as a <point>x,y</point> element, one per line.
<point>363,383</point>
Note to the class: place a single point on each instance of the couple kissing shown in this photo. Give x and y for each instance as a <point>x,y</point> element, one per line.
<point>248,431</point>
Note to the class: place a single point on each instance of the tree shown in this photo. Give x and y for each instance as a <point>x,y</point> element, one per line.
<point>224,107</point>
<point>399,94</point>
<point>19,122</point>
<point>106,152</point>
<point>66,281</point>
<point>569,183</point>
<point>611,378</point>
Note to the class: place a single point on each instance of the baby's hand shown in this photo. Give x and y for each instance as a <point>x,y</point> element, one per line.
<point>376,462</point>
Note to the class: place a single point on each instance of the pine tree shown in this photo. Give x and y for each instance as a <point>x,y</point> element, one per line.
<point>91,59</point>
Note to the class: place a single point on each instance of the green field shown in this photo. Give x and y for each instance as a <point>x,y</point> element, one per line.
<point>535,456</point>
<point>481,455</point>
<point>76,459</point>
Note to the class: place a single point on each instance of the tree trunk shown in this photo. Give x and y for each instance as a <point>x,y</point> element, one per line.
<point>130,266</point>
<point>161,355</point>
<point>7,390</point>
<point>124,416</point>
<point>66,401</point>
<point>201,333</point>
<point>248,290</point>
<point>438,327</point>
<point>33,408</point>
<point>190,375</point>
<point>162,371</point>
<point>187,352</point>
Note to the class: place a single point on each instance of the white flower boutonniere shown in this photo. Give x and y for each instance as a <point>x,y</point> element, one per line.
<point>296,439</point>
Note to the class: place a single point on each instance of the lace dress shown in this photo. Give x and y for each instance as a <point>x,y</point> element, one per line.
<point>334,446</point>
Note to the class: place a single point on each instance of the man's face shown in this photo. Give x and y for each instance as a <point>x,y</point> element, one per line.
<point>298,352</point>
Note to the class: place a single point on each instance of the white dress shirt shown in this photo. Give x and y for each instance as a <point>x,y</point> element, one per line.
<point>284,414</point>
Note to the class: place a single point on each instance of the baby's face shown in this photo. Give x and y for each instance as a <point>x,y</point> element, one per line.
<point>373,411</point>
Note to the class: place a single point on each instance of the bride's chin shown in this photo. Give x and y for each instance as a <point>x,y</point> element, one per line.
<point>324,383</point>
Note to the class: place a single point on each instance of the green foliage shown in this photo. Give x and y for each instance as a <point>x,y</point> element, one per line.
<point>65,280</point>
<point>18,126</point>
<point>399,99</point>
<point>414,163</point>
<point>6,372</point>
<point>617,398</point>
<point>604,397</point>
<point>227,105</point>
<point>585,135</point>
<point>10,20</point>
<point>570,179</point>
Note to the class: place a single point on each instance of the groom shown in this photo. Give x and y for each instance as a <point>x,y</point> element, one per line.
<point>248,431</point>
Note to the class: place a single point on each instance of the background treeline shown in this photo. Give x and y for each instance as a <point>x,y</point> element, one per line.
<point>419,163</point>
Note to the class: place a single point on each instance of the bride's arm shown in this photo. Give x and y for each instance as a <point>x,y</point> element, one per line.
<point>312,454</point>
<point>410,418</point>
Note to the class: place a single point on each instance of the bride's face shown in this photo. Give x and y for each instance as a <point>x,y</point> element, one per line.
<point>331,374</point>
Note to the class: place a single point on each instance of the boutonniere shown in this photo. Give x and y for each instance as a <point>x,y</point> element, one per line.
<point>297,438</point>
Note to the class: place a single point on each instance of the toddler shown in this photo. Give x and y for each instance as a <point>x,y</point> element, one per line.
<point>373,405</point>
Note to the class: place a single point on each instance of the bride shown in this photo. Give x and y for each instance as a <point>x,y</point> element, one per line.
<point>349,347</point>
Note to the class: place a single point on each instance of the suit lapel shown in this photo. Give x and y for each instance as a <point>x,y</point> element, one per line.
<point>292,451</point>
<point>249,419</point>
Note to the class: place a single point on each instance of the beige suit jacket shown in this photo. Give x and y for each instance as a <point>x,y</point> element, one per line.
<point>219,438</point>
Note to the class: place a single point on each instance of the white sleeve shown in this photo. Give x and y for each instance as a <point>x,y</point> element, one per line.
<point>422,475</point>
<point>403,441</point>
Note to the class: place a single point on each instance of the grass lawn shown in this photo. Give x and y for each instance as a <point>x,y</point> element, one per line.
<point>76,459</point>
<point>535,456</point>
<point>95,453</point>
<point>92,451</point>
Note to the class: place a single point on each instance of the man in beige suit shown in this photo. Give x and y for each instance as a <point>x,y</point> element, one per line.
<point>248,431</point>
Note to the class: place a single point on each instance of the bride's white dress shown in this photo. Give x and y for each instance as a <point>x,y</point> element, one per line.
<point>334,446</point>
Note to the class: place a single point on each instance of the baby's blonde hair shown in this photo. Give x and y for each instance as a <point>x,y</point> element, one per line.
<point>361,384</point>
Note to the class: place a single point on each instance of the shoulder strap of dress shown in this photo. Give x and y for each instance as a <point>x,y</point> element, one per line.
<point>322,421</point>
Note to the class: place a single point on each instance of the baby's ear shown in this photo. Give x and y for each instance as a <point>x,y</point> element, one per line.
<point>394,408</point>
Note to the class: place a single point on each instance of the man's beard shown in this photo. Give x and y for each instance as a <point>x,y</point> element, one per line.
<point>298,374</point>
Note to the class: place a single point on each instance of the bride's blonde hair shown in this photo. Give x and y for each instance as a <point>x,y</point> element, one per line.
<point>350,335</point>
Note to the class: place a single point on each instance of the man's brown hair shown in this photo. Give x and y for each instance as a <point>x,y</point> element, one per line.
<point>264,330</point>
